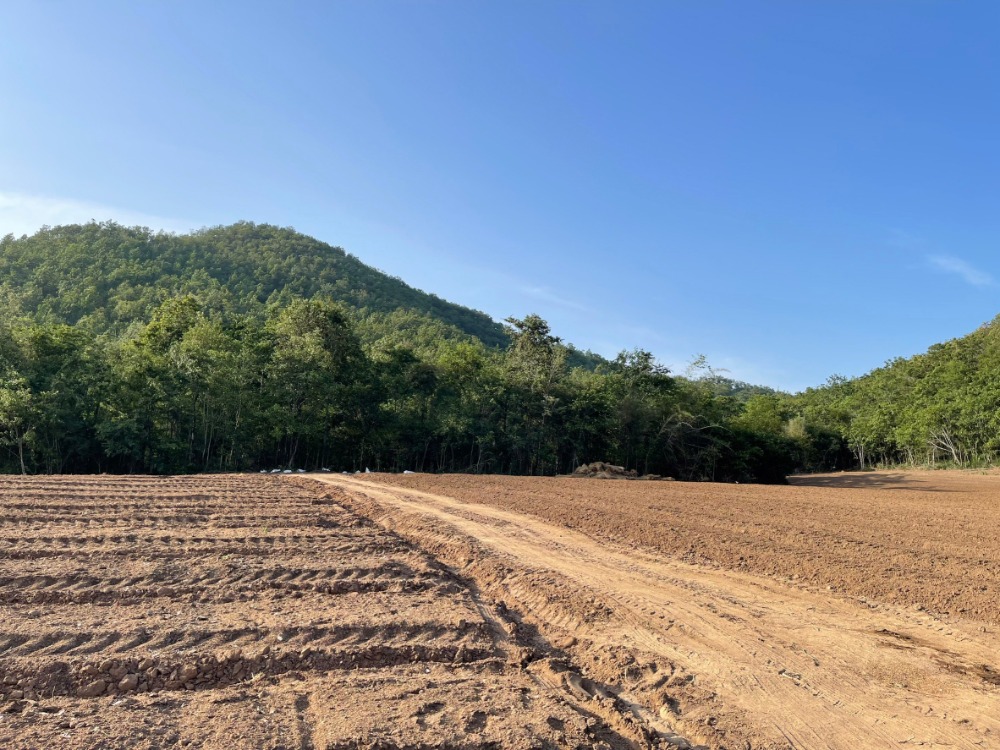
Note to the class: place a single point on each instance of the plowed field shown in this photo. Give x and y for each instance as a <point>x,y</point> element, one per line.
<point>376,611</point>
<point>246,612</point>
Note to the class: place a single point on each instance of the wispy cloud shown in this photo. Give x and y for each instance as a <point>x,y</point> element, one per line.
<point>547,295</point>
<point>958,267</point>
<point>22,213</point>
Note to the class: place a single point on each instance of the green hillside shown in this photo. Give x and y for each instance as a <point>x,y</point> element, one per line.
<point>107,275</point>
<point>253,347</point>
<point>940,406</point>
<point>250,345</point>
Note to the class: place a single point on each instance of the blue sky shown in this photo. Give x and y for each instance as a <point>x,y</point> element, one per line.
<point>794,189</point>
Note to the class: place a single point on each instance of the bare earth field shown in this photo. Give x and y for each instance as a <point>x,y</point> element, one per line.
<point>377,611</point>
<point>247,612</point>
<point>844,611</point>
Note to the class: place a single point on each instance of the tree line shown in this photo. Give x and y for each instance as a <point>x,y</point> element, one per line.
<point>253,346</point>
<point>309,383</point>
<point>938,408</point>
<point>123,349</point>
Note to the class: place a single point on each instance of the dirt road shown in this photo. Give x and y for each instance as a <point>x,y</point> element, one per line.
<point>719,655</point>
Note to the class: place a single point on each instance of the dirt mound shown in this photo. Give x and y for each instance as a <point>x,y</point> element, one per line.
<point>602,470</point>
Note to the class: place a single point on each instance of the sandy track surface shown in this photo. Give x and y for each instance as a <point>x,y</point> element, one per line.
<point>826,616</point>
<point>250,612</point>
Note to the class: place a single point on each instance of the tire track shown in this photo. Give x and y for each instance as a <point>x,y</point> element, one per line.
<point>787,667</point>
<point>213,585</point>
<point>397,634</point>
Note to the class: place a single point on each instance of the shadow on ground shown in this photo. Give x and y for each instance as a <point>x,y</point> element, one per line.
<point>874,480</point>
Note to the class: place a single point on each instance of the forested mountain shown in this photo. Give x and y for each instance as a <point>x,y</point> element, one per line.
<point>106,275</point>
<point>250,347</point>
<point>940,406</point>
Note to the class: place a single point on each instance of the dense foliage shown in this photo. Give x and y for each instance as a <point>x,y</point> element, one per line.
<point>252,347</point>
<point>941,406</point>
<point>106,275</point>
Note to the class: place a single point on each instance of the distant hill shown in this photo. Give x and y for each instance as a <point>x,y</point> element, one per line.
<point>252,346</point>
<point>109,275</point>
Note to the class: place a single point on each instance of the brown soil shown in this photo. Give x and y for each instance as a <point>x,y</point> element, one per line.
<point>251,612</point>
<point>922,539</point>
<point>843,611</point>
